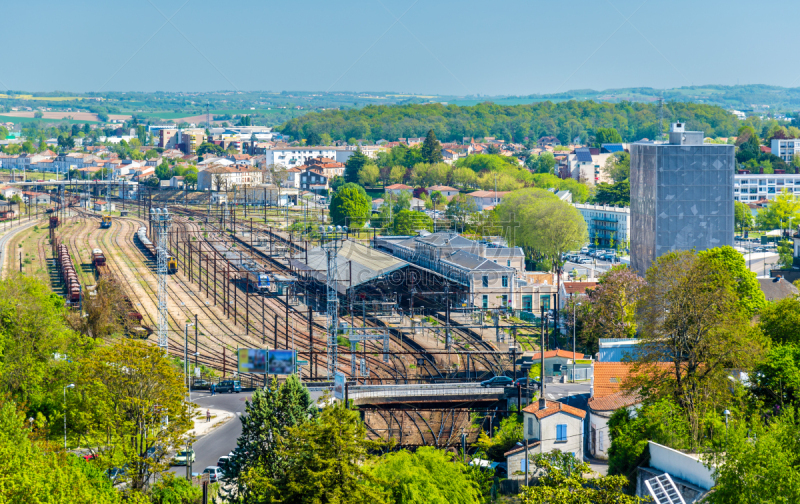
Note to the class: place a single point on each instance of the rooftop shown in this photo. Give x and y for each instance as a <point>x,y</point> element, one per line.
<point>553,407</point>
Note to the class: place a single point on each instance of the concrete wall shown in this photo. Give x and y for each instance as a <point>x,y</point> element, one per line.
<point>680,465</point>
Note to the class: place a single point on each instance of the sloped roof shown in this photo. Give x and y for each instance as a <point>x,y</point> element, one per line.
<point>578,287</point>
<point>549,354</point>
<point>473,262</point>
<point>775,289</point>
<point>613,402</point>
<point>553,407</point>
<point>356,264</point>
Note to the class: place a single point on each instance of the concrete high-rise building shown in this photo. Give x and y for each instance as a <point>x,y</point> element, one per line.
<point>681,196</point>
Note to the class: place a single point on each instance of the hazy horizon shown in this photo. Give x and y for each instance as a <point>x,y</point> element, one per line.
<point>406,46</point>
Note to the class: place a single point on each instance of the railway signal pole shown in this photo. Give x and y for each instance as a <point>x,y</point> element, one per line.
<point>161,221</point>
<point>331,241</point>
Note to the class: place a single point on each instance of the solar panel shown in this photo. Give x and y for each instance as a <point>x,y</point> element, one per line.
<point>583,155</point>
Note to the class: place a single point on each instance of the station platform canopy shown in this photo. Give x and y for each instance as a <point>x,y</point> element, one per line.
<point>356,265</point>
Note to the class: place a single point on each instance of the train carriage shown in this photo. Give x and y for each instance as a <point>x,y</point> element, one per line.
<point>141,236</point>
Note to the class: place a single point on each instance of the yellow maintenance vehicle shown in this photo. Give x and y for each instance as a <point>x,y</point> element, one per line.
<point>105,222</point>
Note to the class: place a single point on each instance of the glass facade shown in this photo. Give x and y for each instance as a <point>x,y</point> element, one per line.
<point>681,199</point>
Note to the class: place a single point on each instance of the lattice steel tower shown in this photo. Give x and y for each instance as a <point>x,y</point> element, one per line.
<point>161,221</point>
<point>331,243</point>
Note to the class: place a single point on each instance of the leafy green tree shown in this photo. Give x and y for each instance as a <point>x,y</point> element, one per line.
<point>34,471</point>
<point>618,194</point>
<point>407,222</point>
<point>368,175</point>
<point>751,297</point>
<point>503,437</point>
<point>562,479</point>
<point>611,308</point>
<point>431,149</point>
<point>209,148</point>
<point>164,171</point>
<point>783,212</point>
<point>151,154</point>
<point>775,381</point>
<point>659,421</point>
<point>742,215</point>
<point>618,166</point>
<point>3,132</point>
<point>130,400</point>
<point>190,179</point>
<point>543,224</point>
<point>350,206</point>
<point>426,476</point>
<point>269,415</point>
<point>607,135</point>
<point>328,463</point>
<point>461,209</point>
<point>780,321</point>
<point>690,316</point>
<point>354,165</point>
<point>313,139</point>
<point>759,461</point>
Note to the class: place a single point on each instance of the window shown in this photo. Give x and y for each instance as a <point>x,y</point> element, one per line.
<point>485,301</point>
<point>505,281</point>
<point>508,263</point>
<point>530,426</point>
<point>523,464</point>
<point>505,300</point>
<point>561,433</point>
<point>485,280</point>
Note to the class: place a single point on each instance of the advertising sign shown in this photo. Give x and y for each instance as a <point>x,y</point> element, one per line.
<point>338,385</point>
<point>281,362</point>
<point>252,360</point>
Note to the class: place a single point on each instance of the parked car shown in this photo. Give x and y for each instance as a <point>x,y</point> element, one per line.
<point>214,473</point>
<point>115,474</point>
<point>229,386</point>
<point>200,384</point>
<point>497,381</point>
<point>585,260</point>
<point>585,250</point>
<point>89,456</point>
<point>223,461</point>
<point>183,457</point>
<point>527,382</point>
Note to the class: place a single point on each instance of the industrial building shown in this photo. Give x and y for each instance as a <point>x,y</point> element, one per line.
<point>681,196</point>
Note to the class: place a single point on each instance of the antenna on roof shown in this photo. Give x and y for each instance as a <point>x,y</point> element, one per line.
<point>661,116</point>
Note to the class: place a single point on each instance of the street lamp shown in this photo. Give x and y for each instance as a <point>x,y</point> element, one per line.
<point>186,356</point>
<point>71,385</point>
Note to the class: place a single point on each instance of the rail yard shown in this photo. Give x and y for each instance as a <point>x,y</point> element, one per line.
<point>236,277</point>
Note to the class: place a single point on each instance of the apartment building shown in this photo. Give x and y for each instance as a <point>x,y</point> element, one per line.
<point>586,165</point>
<point>785,148</point>
<point>749,187</point>
<point>291,157</point>
<point>606,223</point>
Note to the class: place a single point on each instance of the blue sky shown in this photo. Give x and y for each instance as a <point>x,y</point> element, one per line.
<point>415,46</point>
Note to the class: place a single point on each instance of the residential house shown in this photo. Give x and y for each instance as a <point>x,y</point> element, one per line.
<point>396,189</point>
<point>487,200</point>
<point>9,192</point>
<point>376,204</point>
<point>569,290</point>
<point>176,182</point>
<point>220,178</point>
<point>778,288</point>
<point>35,198</point>
<point>587,165</point>
<point>546,427</point>
<point>548,141</point>
<point>447,191</point>
<point>559,362</point>
<point>313,179</point>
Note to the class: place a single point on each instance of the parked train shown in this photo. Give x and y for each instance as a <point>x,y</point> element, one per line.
<point>255,276</point>
<point>68,274</point>
<point>172,262</point>
<point>99,263</point>
<point>105,222</point>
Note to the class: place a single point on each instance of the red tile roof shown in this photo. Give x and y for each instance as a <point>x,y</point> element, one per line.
<point>614,401</point>
<point>578,287</point>
<point>549,354</point>
<point>487,194</point>
<point>518,449</point>
<point>553,407</point>
<point>399,186</point>
<point>607,393</point>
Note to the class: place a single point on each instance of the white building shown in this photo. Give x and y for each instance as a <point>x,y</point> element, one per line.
<point>785,148</point>
<point>605,223</point>
<point>486,200</point>
<point>750,187</point>
<point>586,165</point>
<point>739,114</point>
<point>558,426</point>
<point>297,156</point>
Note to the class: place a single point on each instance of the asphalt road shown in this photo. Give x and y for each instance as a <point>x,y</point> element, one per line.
<point>221,440</point>
<point>761,262</point>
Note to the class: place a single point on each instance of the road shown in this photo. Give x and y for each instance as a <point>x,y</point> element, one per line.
<point>761,262</point>
<point>7,236</point>
<point>221,440</point>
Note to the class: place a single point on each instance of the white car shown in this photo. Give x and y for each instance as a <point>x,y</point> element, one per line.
<point>214,473</point>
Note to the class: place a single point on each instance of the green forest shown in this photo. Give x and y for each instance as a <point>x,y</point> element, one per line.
<point>512,123</point>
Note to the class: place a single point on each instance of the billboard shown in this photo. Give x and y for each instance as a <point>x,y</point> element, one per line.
<point>252,360</point>
<point>338,385</point>
<point>281,362</point>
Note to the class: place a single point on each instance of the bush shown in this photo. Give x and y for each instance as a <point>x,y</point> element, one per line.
<point>172,490</point>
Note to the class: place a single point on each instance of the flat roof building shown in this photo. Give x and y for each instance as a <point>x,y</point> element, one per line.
<point>681,196</point>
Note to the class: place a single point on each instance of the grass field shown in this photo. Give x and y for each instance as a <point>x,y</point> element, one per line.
<point>42,98</point>
<point>23,120</point>
<point>190,113</point>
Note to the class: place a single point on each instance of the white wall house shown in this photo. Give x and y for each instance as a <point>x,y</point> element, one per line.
<point>486,200</point>
<point>587,166</point>
<point>296,156</point>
